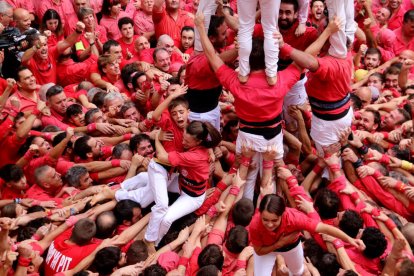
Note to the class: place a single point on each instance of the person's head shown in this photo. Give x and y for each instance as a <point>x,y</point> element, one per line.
<point>162,59</point>
<point>405,268</point>
<point>365,94</point>
<point>122,152</point>
<point>408,23</point>
<point>75,115</point>
<point>6,13</point>
<point>326,203</point>
<point>242,212</point>
<point>113,100</point>
<point>257,55</point>
<point>382,16</point>
<point>370,120</point>
<point>25,79</point>
<point>200,134</point>
<point>83,231</point>
<point>129,111</point>
<point>172,5</point>
<point>48,178</point>
<point>209,270</point>
<point>126,26</point>
<point>147,6</point>
<point>356,102</point>
<point>51,21</point>
<point>391,77</point>
<point>78,177</point>
<point>112,47</point>
<point>211,255</point>
<point>105,225</point>
<point>174,85</point>
<point>127,73</point>
<point>288,14</point>
<point>106,260</point>
<point>237,239</point>
<point>56,99</point>
<point>22,18</point>
<point>187,37</point>
<point>87,16</point>
<point>181,74</point>
<point>408,232</point>
<point>375,242</point>
<point>137,252</point>
<point>13,177</point>
<point>165,41</point>
<point>79,4</point>
<point>179,111</point>
<point>138,81</point>
<point>376,80</point>
<point>317,8</point>
<point>350,222</point>
<point>141,43</point>
<point>141,144</point>
<point>154,270</point>
<point>217,31</point>
<point>271,209</point>
<point>328,264</point>
<point>108,65</point>
<point>127,212</point>
<point>111,7</point>
<point>95,115</point>
<point>43,145</point>
<point>42,52</point>
<point>394,118</point>
<point>394,4</point>
<point>87,148</point>
<point>372,58</point>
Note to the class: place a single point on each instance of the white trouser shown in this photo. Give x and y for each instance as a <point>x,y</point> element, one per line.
<point>247,17</point>
<point>259,144</point>
<point>212,116</point>
<point>296,96</point>
<point>137,189</point>
<point>263,265</point>
<point>325,133</point>
<point>344,10</point>
<point>160,183</point>
<point>208,7</point>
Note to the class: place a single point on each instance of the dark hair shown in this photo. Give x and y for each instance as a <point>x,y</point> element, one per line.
<point>11,172</point>
<point>154,270</point>
<point>9,210</point>
<point>405,114</point>
<point>242,212</point>
<point>82,273</point>
<point>176,102</point>
<point>106,260</point>
<point>128,72</point>
<point>406,268</point>
<point>81,147</point>
<point>292,2</point>
<point>209,270</point>
<point>137,252</point>
<point>273,204</point>
<point>73,110</point>
<point>204,132</point>
<point>357,102</point>
<point>89,115</point>
<point>211,255</point>
<point>119,149</point>
<point>351,222</point>
<point>126,107</point>
<point>408,16</point>
<point>215,23</point>
<point>156,51</point>
<point>186,28</point>
<point>106,47</point>
<point>376,114</point>
<point>237,240</point>
<point>83,231</point>
<point>25,233</point>
<point>107,5</point>
<point>350,272</point>
<point>98,99</point>
<point>375,242</point>
<point>327,203</point>
<point>134,79</point>
<point>392,70</point>
<point>124,210</point>
<point>328,265</point>
<point>20,69</point>
<point>74,174</point>
<point>374,51</point>
<point>48,15</point>
<point>136,140</point>
<point>180,71</point>
<point>257,55</point>
<point>378,75</point>
<point>312,250</point>
<point>53,91</point>
<point>124,21</point>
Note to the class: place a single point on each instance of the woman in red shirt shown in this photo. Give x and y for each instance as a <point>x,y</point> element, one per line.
<point>275,230</point>
<point>51,22</point>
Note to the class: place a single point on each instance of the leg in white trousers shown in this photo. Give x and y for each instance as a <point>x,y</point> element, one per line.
<point>137,189</point>
<point>208,7</point>
<point>212,116</point>
<point>263,265</point>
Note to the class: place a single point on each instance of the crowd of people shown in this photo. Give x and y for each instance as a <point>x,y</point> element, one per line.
<point>207,137</point>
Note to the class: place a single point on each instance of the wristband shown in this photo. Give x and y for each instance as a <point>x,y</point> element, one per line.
<point>49,213</point>
<point>183,261</point>
<point>363,150</point>
<point>232,170</point>
<point>354,196</point>
<point>91,127</point>
<point>221,186</point>
<point>28,155</point>
<point>385,135</point>
<point>72,211</point>
<point>116,163</point>
<point>406,165</point>
<point>91,44</point>
<point>375,212</point>
<point>400,186</point>
<point>385,159</point>
<point>390,224</point>
<point>25,262</point>
<point>286,50</point>
<point>335,167</point>
<point>268,164</point>
<point>212,212</point>
<point>127,136</point>
<point>36,237</point>
<point>17,200</point>
<point>317,169</point>
<point>234,190</point>
<point>338,243</point>
<point>291,181</point>
<point>358,163</point>
<point>72,220</point>
<point>245,161</point>
<point>36,112</point>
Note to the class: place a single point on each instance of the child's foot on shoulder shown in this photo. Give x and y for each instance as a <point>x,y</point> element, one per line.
<point>271,80</point>
<point>243,79</point>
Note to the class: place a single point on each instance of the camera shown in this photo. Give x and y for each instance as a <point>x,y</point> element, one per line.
<point>12,41</point>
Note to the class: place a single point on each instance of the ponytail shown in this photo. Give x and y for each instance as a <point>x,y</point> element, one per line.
<point>205,132</point>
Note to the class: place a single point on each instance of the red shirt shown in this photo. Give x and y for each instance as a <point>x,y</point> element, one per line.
<point>54,119</point>
<point>396,20</point>
<point>37,192</point>
<point>9,193</point>
<point>44,70</point>
<point>71,72</point>
<point>292,220</point>
<point>83,43</point>
<point>400,45</point>
<point>126,46</point>
<point>302,42</point>
<point>256,101</point>
<point>10,146</point>
<point>199,74</point>
<point>35,163</point>
<point>64,9</point>
<point>194,168</point>
<point>166,123</point>
<point>165,24</point>
<point>63,256</point>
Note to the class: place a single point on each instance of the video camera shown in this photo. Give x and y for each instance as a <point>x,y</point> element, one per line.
<point>12,41</point>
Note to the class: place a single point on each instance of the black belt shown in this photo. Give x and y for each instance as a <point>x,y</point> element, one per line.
<point>331,117</point>
<point>270,122</point>
<point>197,186</point>
<point>328,106</point>
<point>288,247</point>
<point>267,132</point>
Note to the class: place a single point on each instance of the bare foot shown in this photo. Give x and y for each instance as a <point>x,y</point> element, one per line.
<point>243,79</point>
<point>271,80</point>
<point>150,246</point>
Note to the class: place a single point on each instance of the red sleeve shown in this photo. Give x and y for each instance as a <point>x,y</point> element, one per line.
<point>107,151</point>
<point>146,56</point>
<point>228,78</point>
<point>184,159</point>
<point>44,160</point>
<point>323,68</point>
<point>158,16</point>
<point>290,76</point>
<point>318,238</point>
<point>216,237</point>
<point>63,166</point>
<point>213,199</point>
<point>255,234</point>
<point>193,263</point>
<point>336,186</point>
<point>5,128</point>
<point>300,221</point>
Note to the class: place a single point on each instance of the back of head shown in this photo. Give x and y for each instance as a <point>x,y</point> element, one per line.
<point>105,225</point>
<point>154,270</point>
<point>375,242</point>
<point>209,270</point>
<point>211,255</point>
<point>137,252</point>
<point>83,231</point>
<point>243,212</point>
<point>237,240</point>
<point>327,203</point>
<point>406,268</point>
<point>124,210</point>
<point>106,260</point>
<point>408,232</point>
<point>351,222</point>
<point>328,265</point>
<point>11,172</point>
<point>53,91</point>
<point>257,56</point>
<point>204,132</point>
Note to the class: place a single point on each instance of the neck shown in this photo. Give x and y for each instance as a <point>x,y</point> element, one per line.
<point>112,78</point>
<point>28,93</point>
<point>173,12</point>
<point>128,40</point>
